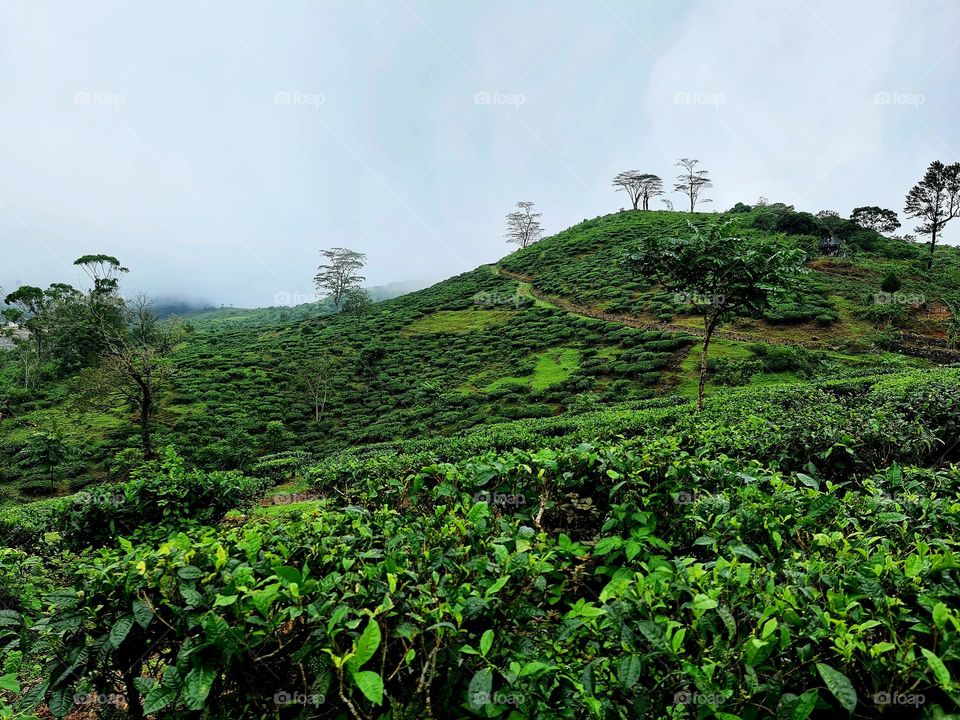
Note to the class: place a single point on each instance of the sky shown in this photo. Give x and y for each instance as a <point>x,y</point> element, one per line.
<point>216,146</point>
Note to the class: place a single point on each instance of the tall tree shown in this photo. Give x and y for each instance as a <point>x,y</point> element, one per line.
<point>340,273</point>
<point>691,182</point>
<point>315,376</point>
<point>935,200</point>
<point>726,276</point>
<point>104,271</point>
<point>640,187</point>
<point>523,225</point>
<point>136,363</point>
<point>875,218</point>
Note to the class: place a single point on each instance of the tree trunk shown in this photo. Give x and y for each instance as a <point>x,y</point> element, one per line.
<point>708,325</point>
<point>145,407</point>
<point>933,244</point>
<point>134,705</point>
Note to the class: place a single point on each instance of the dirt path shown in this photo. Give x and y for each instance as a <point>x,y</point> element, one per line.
<point>909,345</point>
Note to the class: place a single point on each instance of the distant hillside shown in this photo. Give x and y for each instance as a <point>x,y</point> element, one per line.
<point>559,328</point>
<point>230,317</point>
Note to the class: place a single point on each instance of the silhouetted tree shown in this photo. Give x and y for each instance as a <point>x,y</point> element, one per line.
<point>935,200</point>
<point>340,273</point>
<point>523,225</point>
<point>692,181</point>
<point>640,187</point>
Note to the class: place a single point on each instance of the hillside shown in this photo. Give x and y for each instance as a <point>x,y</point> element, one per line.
<point>557,328</point>
<point>494,497</point>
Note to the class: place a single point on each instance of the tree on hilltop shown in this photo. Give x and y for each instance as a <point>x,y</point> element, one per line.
<point>875,218</point>
<point>640,187</point>
<point>692,182</point>
<point>935,200</point>
<point>340,273</point>
<point>523,225</point>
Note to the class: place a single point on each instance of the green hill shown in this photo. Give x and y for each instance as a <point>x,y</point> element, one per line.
<point>555,329</point>
<point>494,497</point>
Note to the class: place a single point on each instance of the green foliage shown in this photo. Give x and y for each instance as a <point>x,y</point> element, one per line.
<point>165,495</point>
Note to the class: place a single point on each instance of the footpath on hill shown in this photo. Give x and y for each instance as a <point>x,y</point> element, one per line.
<point>528,290</point>
<point>909,344</point>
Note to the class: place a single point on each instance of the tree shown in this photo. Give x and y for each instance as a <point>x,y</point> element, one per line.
<point>523,225</point>
<point>692,181</point>
<point>104,271</point>
<point>827,215</point>
<point>136,363</point>
<point>356,302</point>
<point>316,377</point>
<point>724,276</point>
<point>340,273</point>
<point>875,218</point>
<point>668,204</point>
<point>639,187</point>
<point>935,200</point>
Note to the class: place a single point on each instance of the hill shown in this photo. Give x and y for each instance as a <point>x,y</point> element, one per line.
<point>494,497</point>
<point>557,328</point>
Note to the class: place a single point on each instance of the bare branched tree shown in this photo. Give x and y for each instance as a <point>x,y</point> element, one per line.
<point>523,225</point>
<point>340,273</point>
<point>692,181</point>
<point>316,377</point>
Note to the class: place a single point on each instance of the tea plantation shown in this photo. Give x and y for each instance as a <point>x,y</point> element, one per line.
<point>495,498</point>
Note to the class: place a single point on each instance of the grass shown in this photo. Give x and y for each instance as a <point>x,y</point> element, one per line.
<point>457,321</point>
<point>553,366</point>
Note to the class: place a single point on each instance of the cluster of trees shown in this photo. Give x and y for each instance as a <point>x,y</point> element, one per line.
<point>119,349</point>
<point>640,187</point>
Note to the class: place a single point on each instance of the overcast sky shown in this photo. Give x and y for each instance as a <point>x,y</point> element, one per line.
<point>215,146</point>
